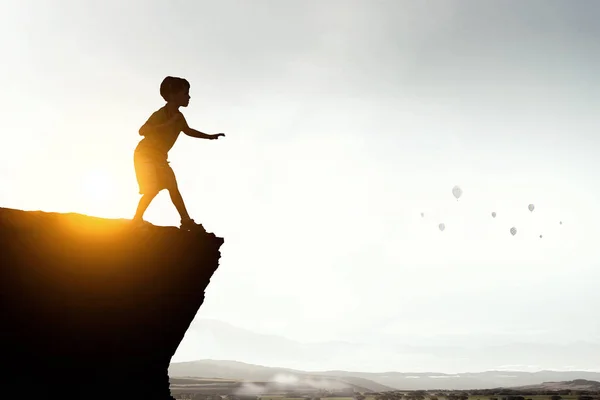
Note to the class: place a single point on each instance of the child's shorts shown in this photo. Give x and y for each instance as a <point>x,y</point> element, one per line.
<point>153,172</point>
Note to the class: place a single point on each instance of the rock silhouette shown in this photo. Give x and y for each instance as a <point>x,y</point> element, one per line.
<point>93,308</point>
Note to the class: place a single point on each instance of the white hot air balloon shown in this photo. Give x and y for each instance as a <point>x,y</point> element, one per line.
<point>531,207</point>
<point>457,192</point>
<point>442,227</point>
<point>493,215</point>
<point>513,231</point>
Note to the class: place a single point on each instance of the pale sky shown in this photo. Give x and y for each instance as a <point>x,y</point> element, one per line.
<point>344,120</point>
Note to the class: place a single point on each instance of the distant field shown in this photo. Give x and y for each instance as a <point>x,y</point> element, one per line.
<point>536,397</point>
<point>279,398</point>
<point>367,397</point>
<point>370,397</point>
<point>212,385</point>
<point>300,398</point>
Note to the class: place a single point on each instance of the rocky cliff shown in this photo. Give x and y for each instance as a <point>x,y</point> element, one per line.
<point>92,308</point>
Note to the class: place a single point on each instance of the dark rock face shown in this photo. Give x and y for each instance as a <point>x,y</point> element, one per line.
<point>93,308</point>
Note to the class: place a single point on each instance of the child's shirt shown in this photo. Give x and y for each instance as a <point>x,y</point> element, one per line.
<point>161,141</point>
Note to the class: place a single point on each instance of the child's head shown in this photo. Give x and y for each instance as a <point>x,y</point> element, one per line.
<point>175,90</point>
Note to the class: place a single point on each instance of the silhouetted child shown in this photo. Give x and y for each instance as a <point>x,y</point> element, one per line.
<point>160,132</point>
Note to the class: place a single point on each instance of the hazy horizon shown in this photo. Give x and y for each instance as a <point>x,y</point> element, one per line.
<point>211,339</point>
<point>345,120</point>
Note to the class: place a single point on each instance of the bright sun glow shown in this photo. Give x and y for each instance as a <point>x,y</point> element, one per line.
<point>100,192</point>
<point>97,189</point>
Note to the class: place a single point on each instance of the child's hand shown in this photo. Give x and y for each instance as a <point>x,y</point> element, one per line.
<point>216,136</point>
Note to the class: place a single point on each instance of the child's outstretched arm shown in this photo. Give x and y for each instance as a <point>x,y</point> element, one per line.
<point>197,134</point>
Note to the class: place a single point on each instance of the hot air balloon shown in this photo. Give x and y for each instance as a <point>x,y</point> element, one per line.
<point>422,215</point>
<point>457,192</point>
<point>493,215</point>
<point>442,227</point>
<point>531,207</point>
<point>540,236</point>
<point>513,231</point>
<point>561,222</point>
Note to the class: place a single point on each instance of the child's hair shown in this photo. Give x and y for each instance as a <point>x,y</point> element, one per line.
<point>172,85</point>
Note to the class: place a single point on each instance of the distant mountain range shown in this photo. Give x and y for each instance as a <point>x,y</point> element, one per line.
<point>376,382</point>
<point>578,384</point>
<point>239,371</point>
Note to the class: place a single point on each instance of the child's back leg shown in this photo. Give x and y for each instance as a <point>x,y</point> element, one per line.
<point>187,224</point>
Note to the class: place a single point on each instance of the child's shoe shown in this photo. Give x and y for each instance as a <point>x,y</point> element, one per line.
<point>189,225</point>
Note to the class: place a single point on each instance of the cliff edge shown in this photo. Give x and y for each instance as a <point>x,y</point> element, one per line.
<point>93,308</point>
